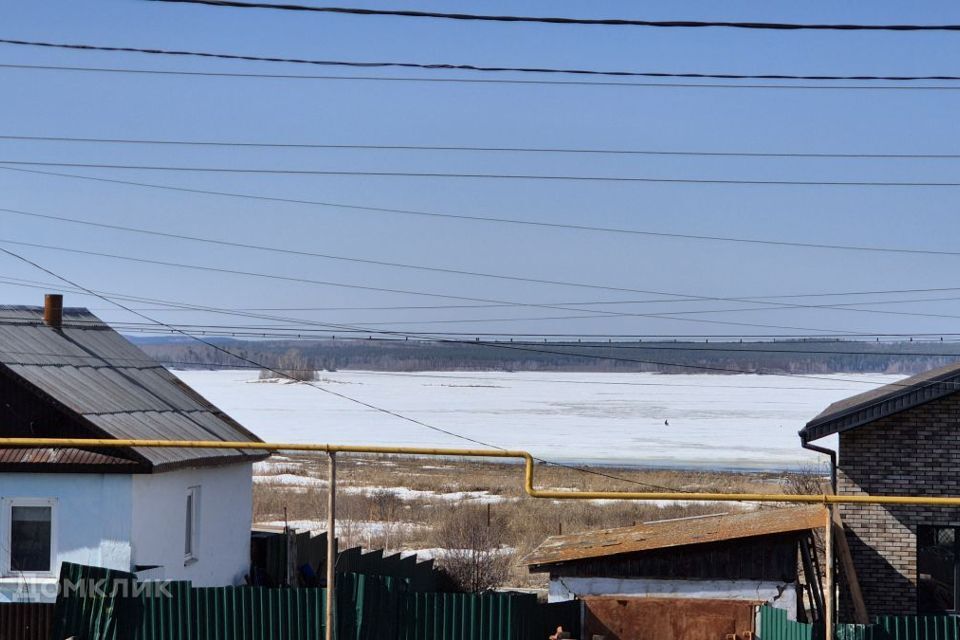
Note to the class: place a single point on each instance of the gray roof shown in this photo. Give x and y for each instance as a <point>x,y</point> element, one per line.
<point>895,397</point>
<point>116,390</point>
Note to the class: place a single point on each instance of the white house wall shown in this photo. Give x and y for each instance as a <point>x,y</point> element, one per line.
<point>92,520</point>
<point>781,595</point>
<point>223,519</point>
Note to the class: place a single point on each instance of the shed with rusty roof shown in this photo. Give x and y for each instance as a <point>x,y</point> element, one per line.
<point>749,556</point>
<point>181,513</point>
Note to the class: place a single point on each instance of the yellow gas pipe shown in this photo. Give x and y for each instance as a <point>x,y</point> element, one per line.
<point>86,443</point>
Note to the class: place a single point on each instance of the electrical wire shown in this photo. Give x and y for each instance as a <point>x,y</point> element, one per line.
<point>498,345</point>
<point>751,348</point>
<point>480,149</point>
<point>849,307</point>
<point>434,269</point>
<point>616,22</point>
<point>161,362</point>
<point>324,389</point>
<point>174,305</point>
<point>480,176</point>
<point>472,67</point>
<point>490,81</point>
<point>330,283</point>
<point>485,219</point>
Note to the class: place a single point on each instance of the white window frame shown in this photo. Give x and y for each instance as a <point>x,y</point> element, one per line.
<point>6,536</point>
<point>193,498</point>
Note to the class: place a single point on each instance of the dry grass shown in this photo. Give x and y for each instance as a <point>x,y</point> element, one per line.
<point>364,496</point>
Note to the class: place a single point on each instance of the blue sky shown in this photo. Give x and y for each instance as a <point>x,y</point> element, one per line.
<point>55,103</point>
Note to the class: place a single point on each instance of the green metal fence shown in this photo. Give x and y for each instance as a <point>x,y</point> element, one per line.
<point>774,625</point>
<point>368,608</point>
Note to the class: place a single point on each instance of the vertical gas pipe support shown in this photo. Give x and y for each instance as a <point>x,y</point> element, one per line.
<point>829,589</point>
<point>331,546</point>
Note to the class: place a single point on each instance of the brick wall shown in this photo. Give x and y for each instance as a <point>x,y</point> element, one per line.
<point>915,452</point>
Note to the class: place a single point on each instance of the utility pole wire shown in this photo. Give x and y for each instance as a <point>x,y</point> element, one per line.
<point>850,307</point>
<point>480,176</point>
<point>479,149</point>
<point>614,22</point>
<point>329,283</point>
<point>445,66</point>
<point>490,81</point>
<point>492,219</point>
<point>342,396</point>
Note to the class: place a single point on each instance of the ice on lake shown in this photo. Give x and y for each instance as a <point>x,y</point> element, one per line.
<point>745,422</point>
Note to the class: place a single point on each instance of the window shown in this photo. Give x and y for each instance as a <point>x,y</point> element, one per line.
<point>28,536</point>
<point>191,537</point>
<point>937,569</point>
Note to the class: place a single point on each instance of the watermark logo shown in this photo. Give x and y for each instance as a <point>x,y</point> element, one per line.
<point>101,588</point>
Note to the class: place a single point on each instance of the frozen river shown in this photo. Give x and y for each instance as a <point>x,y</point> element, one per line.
<point>642,419</point>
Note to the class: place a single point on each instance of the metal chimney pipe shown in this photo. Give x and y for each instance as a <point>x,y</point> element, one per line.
<point>53,310</point>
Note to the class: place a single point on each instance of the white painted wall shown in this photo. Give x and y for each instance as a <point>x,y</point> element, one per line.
<point>92,524</point>
<point>781,595</point>
<point>119,521</point>
<point>224,515</point>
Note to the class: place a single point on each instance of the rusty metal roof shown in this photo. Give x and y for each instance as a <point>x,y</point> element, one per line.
<point>872,405</point>
<point>675,533</point>
<point>93,372</point>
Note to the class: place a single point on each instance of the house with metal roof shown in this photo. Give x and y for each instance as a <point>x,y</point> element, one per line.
<point>645,580</point>
<point>901,439</point>
<point>181,514</point>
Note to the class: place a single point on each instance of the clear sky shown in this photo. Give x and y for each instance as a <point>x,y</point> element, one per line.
<point>60,103</point>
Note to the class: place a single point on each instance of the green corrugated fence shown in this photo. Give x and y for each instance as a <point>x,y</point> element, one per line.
<point>368,608</point>
<point>775,626</point>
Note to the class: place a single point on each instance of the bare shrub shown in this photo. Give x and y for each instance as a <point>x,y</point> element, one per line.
<point>475,553</point>
<point>810,480</point>
<point>293,366</point>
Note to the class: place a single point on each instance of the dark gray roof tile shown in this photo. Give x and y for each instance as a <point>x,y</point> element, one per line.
<point>96,373</point>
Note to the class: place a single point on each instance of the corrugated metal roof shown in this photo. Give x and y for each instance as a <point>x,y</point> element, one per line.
<point>96,373</point>
<point>878,403</point>
<point>71,457</point>
<point>675,533</point>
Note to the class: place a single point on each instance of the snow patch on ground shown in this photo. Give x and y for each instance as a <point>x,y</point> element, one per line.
<point>407,494</point>
<point>350,528</point>
<point>289,480</point>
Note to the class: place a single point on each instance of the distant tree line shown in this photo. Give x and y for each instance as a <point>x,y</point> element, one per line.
<point>795,357</point>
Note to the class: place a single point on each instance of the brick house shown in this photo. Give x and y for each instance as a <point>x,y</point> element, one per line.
<point>900,439</point>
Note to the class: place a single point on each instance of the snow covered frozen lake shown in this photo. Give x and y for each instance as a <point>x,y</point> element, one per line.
<point>744,422</point>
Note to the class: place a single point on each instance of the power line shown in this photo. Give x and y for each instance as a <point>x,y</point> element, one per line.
<point>722,347</point>
<point>678,347</point>
<point>849,308</point>
<point>330,283</point>
<point>500,345</point>
<point>489,219</point>
<point>154,362</point>
<point>434,269</point>
<point>481,176</point>
<point>473,67</point>
<point>324,389</point>
<point>490,81</point>
<point>168,305</point>
<point>481,149</point>
<point>497,345</point>
<point>615,22</point>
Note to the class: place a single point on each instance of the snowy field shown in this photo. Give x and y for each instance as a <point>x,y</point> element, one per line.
<point>744,422</point>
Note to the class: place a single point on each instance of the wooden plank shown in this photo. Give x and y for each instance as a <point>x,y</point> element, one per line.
<point>860,615</point>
